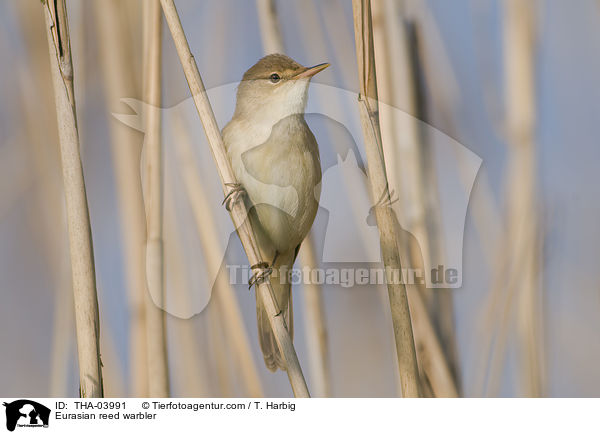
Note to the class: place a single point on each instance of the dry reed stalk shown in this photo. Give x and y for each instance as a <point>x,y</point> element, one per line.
<point>217,343</point>
<point>37,120</point>
<point>443,301</point>
<point>336,32</point>
<point>224,294</point>
<point>119,78</point>
<point>499,326</point>
<point>270,30</point>
<point>231,315</point>
<point>487,226</point>
<point>497,320</point>
<point>189,365</point>
<point>515,295</point>
<point>523,217</point>
<point>389,135</point>
<point>238,209</point>
<point>316,330</point>
<point>485,213</point>
<point>442,305</point>
<point>396,86</point>
<point>316,334</point>
<point>386,221</point>
<point>190,369</point>
<point>85,297</point>
<point>395,81</point>
<point>177,278</point>
<point>217,347</point>
<point>432,359</point>
<point>158,370</point>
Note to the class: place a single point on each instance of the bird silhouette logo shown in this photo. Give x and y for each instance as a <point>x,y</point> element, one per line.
<point>26,413</point>
<point>345,228</point>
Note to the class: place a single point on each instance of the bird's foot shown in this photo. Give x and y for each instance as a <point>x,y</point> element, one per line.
<point>264,272</point>
<point>237,191</point>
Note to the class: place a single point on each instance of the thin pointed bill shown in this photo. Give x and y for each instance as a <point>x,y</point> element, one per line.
<point>309,72</point>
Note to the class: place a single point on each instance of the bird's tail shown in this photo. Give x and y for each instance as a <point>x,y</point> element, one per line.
<point>268,344</point>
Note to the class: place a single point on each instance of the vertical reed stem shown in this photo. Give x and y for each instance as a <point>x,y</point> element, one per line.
<point>158,371</point>
<point>316,330</point>
<point>87,320</point>
<point>270,31</point>
<point>238,209</point>
<point>523,217</point>
<point>120,81</point>
<point>223,292</point>
<point>403,143</point>
<point>368,106</point>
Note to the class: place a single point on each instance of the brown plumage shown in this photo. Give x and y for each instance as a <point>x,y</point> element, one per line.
<point>276,159</point>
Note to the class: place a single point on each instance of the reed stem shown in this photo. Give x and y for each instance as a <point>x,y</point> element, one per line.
<point>238,211</point>
<point>120,80</point>
<point>368,106</point>
<point>223,293</point>
<point>87,320</point>
<point>158,370</point>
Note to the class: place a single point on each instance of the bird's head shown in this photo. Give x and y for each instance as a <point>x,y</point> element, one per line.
<point>274,88</point>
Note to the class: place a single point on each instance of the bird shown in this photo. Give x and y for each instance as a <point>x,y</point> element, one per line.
<point>275,158</point>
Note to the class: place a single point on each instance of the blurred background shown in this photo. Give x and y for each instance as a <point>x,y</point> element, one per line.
<point>510,81</point>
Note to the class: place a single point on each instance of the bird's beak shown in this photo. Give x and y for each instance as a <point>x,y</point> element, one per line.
<point>310,71</point>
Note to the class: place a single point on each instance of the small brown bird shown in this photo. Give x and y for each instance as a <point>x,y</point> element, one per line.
<point>276,159</point>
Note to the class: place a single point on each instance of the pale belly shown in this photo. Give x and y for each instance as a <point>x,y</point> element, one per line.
<point>282,181</point>
<point>282,215</point>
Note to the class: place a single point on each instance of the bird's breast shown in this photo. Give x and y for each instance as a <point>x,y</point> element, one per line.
<point>280,170</point>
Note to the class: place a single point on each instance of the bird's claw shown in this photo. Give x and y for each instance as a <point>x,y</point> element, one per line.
<point>261,276</point>
<point>237,191</point>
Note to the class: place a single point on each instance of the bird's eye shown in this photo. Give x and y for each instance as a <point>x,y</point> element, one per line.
<point>274,77</point>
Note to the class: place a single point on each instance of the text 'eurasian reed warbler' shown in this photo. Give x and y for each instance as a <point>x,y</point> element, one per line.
<point>275,158</point>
